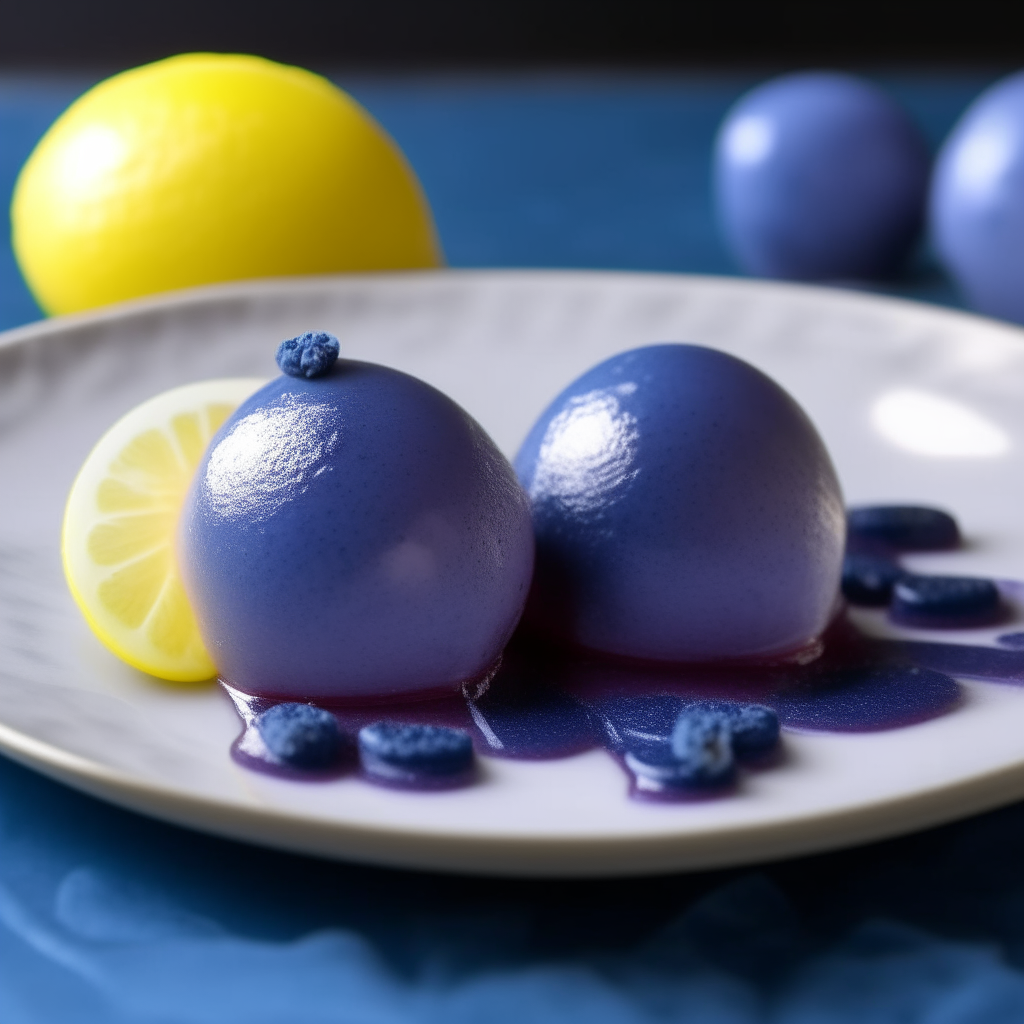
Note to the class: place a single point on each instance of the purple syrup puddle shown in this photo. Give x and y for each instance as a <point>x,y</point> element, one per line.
<point>547,702</point>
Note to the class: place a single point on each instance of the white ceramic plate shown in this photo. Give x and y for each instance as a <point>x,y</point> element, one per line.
<point>916,404</point>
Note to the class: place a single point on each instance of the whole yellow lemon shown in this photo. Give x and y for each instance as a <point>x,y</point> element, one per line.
<point>212,167</point>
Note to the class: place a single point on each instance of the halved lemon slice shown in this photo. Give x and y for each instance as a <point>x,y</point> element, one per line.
<point>120,525</point>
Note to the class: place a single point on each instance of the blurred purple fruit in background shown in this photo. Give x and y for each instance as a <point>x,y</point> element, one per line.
<point>977,201</point>
<point>820,176</point>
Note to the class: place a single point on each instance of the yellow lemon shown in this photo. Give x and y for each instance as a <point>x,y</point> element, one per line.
<point>212,167</point>
<point>120,525</point>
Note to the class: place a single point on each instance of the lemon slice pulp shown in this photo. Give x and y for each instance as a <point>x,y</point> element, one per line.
<point>120,524</point>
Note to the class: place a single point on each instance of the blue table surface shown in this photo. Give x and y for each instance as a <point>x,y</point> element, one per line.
<point>106,916</point>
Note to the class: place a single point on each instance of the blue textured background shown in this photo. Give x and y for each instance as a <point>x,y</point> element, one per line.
<point>109,917</point>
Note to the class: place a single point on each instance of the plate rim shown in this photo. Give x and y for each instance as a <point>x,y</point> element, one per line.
<point>516,856</point>
<point>493,854</point>
<point>212,293</point>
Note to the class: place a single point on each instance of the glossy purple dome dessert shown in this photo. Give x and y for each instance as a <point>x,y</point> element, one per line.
<point>353,534</point>
<point>684,509</point>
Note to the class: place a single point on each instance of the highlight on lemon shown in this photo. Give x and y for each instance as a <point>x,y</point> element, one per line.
<point>120,525</point>
<point>212,167</point>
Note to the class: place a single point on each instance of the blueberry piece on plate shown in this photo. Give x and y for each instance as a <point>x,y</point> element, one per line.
<point>1014,640</point>
<point>944,601</point>
<point>903,527</point>
<point>754,728</point>
<point>309,355</point>
<point>868,580</point>
<point>698,754</point>
<point>656,768</point>
<point>402,752</point>
<point>300,735</point>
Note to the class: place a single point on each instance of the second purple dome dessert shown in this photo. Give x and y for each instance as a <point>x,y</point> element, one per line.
<point>353,534</point>
<point>685,509</point>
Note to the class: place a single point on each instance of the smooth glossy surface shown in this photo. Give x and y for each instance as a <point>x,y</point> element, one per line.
<point>354,536</point>
<point>819,175</point>
<point>864,699</point>
<point>685,509</point>
<point>977,201</point>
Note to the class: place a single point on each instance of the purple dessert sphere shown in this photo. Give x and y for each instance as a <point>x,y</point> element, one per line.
<point>977,201</point>
<point>684,509</point>
<point>820,175</point>
<point>352,537</point>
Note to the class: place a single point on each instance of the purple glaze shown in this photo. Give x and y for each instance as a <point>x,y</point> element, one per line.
<point>549,703</point>
<point>685,510</point>
<point>325,512</point>
<point>819,175</point>
<point>971,662</point>
<point>867,698</point>
<point>540,723</point>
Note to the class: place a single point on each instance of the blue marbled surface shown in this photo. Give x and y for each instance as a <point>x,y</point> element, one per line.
<point>108,917</point>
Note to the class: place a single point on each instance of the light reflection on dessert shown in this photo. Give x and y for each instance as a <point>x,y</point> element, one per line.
<point>269,457</point>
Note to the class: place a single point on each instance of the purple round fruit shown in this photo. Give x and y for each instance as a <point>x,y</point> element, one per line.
<point>685,510</point>
<point>977,201</point>
<point>820,175</point>
<point>354,536</point>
